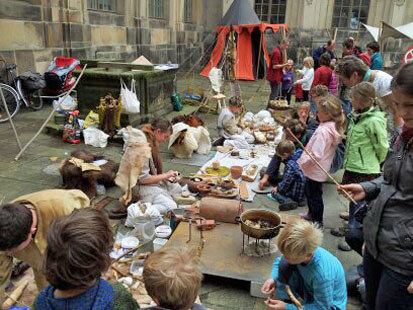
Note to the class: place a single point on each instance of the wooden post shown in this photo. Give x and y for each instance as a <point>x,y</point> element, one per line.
<point>9,116</point>
<point>259,53</point>
<point>284,51</point>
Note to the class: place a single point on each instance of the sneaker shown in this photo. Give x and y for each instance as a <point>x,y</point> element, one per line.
<point>302,203</point>
<point>338,232</point>
<point>270,197</point>
<point>344,215</point>
<point>288,206</point>
<point>343,246</point>
<point>306,216</point>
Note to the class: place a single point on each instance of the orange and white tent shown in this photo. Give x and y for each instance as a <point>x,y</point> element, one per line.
<point>252,56</point>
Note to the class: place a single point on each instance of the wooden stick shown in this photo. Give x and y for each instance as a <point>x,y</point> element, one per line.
<point>259,53</point>
<point>15,295</point>
<point>118,271</point>
<point>319,165</point>
<point>128,252</point>
<point>295,301</point>
<point>10,120</point>
<point>50,116</point>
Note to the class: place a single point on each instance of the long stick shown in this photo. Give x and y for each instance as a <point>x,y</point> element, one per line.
<point>50,116</point>
<point>295,301</point>
<point>128,252</point>
<point>259,54</point>
<point>319,165</point>
<point>11,121</point>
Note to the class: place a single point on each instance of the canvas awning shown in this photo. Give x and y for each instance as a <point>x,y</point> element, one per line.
<point>400,32</point>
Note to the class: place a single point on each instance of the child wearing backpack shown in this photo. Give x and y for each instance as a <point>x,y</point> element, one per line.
<point>322,146</point>
<point>366,148</point>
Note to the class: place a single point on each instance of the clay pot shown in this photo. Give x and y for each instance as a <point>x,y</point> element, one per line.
<point>227,184</point>
<point>204,189</point>
<point>193,183</point>
<point>236,172</point>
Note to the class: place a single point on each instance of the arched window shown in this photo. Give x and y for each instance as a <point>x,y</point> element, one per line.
<point>271,11</point>
<point>349,13</point>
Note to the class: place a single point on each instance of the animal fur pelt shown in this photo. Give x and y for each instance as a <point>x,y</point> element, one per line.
<point>133,160</point>
<point>192,120</point>
<point>185,140</point>
<point>86,181</point>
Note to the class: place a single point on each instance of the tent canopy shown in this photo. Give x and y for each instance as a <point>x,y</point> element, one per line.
<point>400,32</point>
<point>240,13</point>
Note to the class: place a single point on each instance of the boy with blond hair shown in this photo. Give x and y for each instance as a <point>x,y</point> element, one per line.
<point>312,272</point>
<point>173,279</point>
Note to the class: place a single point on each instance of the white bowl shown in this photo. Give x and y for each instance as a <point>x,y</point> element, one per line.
<point>163,231</point>
<point>130,242</point>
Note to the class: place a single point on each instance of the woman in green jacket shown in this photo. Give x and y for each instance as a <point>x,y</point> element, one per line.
<point>366,148</point>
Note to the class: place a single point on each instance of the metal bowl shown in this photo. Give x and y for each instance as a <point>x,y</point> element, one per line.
<point>261,233</point>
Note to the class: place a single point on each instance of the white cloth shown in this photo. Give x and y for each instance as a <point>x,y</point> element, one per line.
<point>215,76</point>
<point>241,141</point>
<point>196,140</point>
<point>382,83</point>
<point>308,77</point>
<point>95,137</point>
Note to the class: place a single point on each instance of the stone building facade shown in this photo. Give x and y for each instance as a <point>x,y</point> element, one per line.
<point>32,32</point>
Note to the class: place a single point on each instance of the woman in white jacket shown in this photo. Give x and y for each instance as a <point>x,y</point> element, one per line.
<point>308,76</point>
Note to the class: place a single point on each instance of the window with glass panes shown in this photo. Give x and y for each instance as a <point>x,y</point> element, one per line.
<point>188,11</point>
<point>156,8</point>
<point>349,13</point>
<point>102,5</point>
<point>271,11</point>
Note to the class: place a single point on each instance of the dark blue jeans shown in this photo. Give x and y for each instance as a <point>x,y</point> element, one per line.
<point>385,288</point>
<point>275,90</point>
<point>314,193</point>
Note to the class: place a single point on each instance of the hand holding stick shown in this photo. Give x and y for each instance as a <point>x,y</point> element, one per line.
<point>321,167</point>
<point>295,301</point>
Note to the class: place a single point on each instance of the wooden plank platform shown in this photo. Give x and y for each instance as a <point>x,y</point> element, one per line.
<point>221,255</point>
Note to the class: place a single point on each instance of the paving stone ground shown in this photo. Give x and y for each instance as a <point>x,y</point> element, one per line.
<point>28,175</point>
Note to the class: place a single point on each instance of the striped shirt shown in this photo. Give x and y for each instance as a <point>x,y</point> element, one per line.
<point>323,279</point>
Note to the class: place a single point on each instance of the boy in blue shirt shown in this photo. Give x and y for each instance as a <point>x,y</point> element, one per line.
<point>312,272</point>
<point>291,190</point>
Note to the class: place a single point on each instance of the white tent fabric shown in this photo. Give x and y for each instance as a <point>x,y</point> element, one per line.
<point>400,32</point>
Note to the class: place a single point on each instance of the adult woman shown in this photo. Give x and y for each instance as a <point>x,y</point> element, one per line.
<point>373,49</point>
<point>388,229</point>
<point>353,71</point>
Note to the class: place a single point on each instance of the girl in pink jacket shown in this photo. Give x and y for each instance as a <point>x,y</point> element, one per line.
<point>322,146</point>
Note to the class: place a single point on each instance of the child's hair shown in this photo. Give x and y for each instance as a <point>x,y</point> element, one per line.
<point>364,93</point>
<point>162,124</point>
<point>299,238</point>
<point>296,127</point>
<point>290,61</point>
<point>350,64</point>
<point>374,46</point>
<point>173,277</point>
<point>331,105</point>
<point>305,105</point>
<point>403,80</point>
<point>309,61</point>
<point>324,60</point>
<point>285,147</point>
<point>235,101</point>
<point>319,90</point>
<point>78,247</point>
<point>348,43</point>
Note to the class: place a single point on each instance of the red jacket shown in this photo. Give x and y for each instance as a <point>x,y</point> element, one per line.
<point>322,76</point>
<point>275,75</point>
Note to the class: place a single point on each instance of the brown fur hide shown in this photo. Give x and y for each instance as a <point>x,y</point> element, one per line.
<point>192,120</point>
<point>73,178</point>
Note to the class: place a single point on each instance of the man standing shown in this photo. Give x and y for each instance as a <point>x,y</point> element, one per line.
<point>328,48</point>
<point>23,227</point>
<point>275,70</point>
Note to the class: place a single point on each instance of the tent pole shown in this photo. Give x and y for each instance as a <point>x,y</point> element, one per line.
<point>259,53</point>
<point>10,120</point>
<point>284,50</point>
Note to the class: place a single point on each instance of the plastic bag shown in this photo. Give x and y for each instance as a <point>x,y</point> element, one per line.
<point>130,102</point>
<point>95,137</point>
<point>177,102</point>
<point>138,212</point>
<point>92,119</point>
<point>69,104</point>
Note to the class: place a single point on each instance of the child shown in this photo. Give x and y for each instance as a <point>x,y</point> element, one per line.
<point>308,76</point>
<point>290,191</point>
<point>271,175</point>
<point>173,279</point>
<point>77,254</point>
<point>227,123</point>
<point>303,114</point>
<point>322,146</point>
<point>312,272</point>
<point>333,86</point>
<point>322,75</point>
<point>366,149</point>
<point>288,80</point>
<point>317,93</point>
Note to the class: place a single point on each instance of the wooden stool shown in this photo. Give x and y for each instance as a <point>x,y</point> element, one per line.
<point>220,98</point>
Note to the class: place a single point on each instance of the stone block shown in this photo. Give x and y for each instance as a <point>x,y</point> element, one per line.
<point>25,61</point>
<point>21,35</point>
<point>75,16</point>
<point>75,4</point>
<point>108,35</point>
<point>17,10</point>
<point>158,36</point>
<point>131,35</point>
<point>54,35</point>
